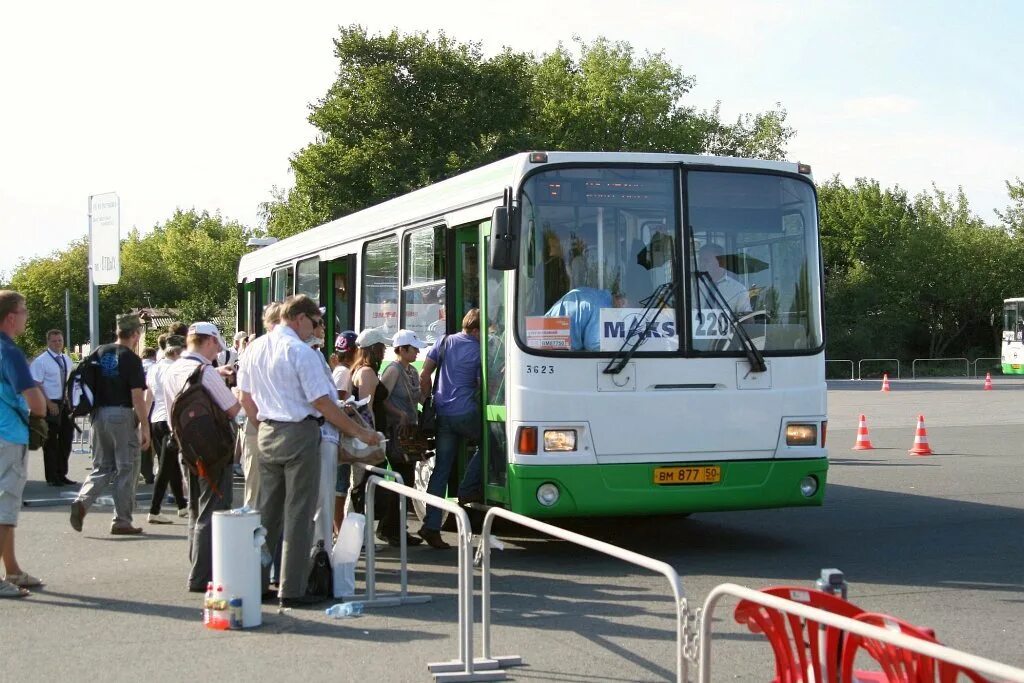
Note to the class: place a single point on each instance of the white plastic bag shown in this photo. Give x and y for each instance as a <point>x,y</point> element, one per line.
<point>345,554</point>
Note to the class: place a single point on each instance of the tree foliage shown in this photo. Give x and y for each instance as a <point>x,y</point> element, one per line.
<point>188,262</point>
<point>912,277</point>
<point>409,110</point>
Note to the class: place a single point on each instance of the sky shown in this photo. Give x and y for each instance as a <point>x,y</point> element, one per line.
<point>200,104</point>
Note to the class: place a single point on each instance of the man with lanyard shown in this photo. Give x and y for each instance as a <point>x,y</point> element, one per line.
<point>19,396</point>
<point>285,389</point>
<point>204,497</point>
<point>120,429</point>
<point>50,370</point>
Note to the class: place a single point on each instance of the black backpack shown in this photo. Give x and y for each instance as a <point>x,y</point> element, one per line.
<point>80,391</point>
<point>202,429</point>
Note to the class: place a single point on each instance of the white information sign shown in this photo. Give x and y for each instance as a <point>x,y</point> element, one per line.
<point>105,238</point>
<point>618,324</point>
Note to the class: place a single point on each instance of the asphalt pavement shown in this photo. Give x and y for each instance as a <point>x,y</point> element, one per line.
<point>936,540</point>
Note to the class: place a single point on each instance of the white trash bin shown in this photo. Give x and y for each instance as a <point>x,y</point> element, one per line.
<point>237,540</point>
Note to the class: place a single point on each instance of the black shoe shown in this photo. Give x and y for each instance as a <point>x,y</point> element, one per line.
<point>474,497</point>
<point>54,483</point>
<point>433,538</point>
<point>69,482</point>
<point>197,589</point>
<point>301,601</point>
<point>396,541</point>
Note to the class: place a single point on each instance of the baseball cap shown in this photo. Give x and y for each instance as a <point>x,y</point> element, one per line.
<point>371,336</point>
<point>407,338</point>
<point>346,341</point>
<point>210,329</point>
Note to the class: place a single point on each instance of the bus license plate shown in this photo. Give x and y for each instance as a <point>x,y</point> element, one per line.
<point>702,474</point>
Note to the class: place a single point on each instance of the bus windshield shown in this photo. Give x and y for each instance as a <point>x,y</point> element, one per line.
<point>599,242</point>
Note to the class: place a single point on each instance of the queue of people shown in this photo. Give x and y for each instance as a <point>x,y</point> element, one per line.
<point>290,403</point>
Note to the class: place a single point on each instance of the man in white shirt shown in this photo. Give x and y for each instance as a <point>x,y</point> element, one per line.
<point>734,293</point>
<point>250,432</point>
<point>164,445</point>
<point>50,370</point>
<point>284,386</point>
<point>204,498</point>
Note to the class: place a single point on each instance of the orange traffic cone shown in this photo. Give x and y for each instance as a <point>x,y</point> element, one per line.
<point>863,442</point>
<point>988,381</point>
<point>920,439</point>
<point>885,381</point>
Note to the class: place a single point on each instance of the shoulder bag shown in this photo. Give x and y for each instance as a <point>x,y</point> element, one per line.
<point>428,415</point>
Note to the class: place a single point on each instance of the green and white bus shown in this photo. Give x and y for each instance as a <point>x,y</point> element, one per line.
<point>1011,355</point>
<point>652,323</point>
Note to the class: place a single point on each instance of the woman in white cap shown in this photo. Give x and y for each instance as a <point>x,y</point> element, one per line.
<point>402,381</point>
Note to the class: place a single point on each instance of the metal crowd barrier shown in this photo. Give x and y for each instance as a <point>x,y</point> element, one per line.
<point>463,668</point>
<point>80,444</point>
<point>843,360</point>
<point>371,597</point>
<point>860,374</point>
<point>981,665</point>
<point>913,365</point>
<point>976,360</point>
<point>675,583</point>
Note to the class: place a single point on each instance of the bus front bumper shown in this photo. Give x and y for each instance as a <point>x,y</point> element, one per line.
<point>614,490</point>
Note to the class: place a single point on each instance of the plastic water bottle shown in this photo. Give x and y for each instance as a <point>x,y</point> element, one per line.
<point>345,609</point>
<point>235,612</point>
<point>208,605</point>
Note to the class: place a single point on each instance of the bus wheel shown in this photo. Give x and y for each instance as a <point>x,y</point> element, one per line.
<point>424,468</point>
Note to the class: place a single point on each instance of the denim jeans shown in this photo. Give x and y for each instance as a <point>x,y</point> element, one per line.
<point>451,431</point>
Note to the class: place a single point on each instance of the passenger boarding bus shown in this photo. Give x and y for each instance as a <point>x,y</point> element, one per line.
<point>1012,351</point>
<point>651,324</point>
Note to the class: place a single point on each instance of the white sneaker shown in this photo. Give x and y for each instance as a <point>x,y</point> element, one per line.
<point>158,519</point>
<point>183,512</point>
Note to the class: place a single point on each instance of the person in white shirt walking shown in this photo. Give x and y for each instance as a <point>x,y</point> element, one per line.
<point>204,497</point>
<point>165,447</point>
<point>50,370</point>
<point>250,432</point>
<point>284,385</point>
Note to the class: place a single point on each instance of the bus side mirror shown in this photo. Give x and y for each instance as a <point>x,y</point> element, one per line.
<point>504,240</point>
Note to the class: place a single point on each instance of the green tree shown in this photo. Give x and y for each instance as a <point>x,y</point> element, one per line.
<point>1013,216</point>
<point>410,110</point>
<point>188,262</point>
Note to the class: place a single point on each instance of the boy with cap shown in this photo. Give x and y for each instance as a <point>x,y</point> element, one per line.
<point>120,428</point>
<point>204,498</point>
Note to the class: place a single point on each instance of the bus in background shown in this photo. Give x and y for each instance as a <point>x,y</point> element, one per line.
<point>1011,354</point>
<point>651,324</point>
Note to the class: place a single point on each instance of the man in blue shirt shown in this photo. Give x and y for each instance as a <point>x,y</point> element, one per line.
<point>19,396</point>
<point>458,416</point>
<point>583,308</point>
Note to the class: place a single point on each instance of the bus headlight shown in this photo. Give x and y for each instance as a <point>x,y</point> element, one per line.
<point>801,434</point>
<point>808,486</point>
<point>559,440</point>
<point>547,494</point>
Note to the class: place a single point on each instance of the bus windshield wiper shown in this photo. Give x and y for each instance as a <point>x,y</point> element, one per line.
<point>654,304</point>
<point>754,355</point>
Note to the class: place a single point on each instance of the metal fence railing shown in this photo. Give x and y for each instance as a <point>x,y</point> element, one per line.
<point>995,366</point>
<point>841,360</point>
<point>948,361</point>
<point>860,366</point>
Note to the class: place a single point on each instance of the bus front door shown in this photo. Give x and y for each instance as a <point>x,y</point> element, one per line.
<point>493,446</point>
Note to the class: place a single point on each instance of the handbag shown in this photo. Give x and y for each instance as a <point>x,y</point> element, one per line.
<point>351,449</point>
<point>320,573</point>
<point>428,415</point>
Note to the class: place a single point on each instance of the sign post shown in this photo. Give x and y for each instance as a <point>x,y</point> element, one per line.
<point>104,254</point>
